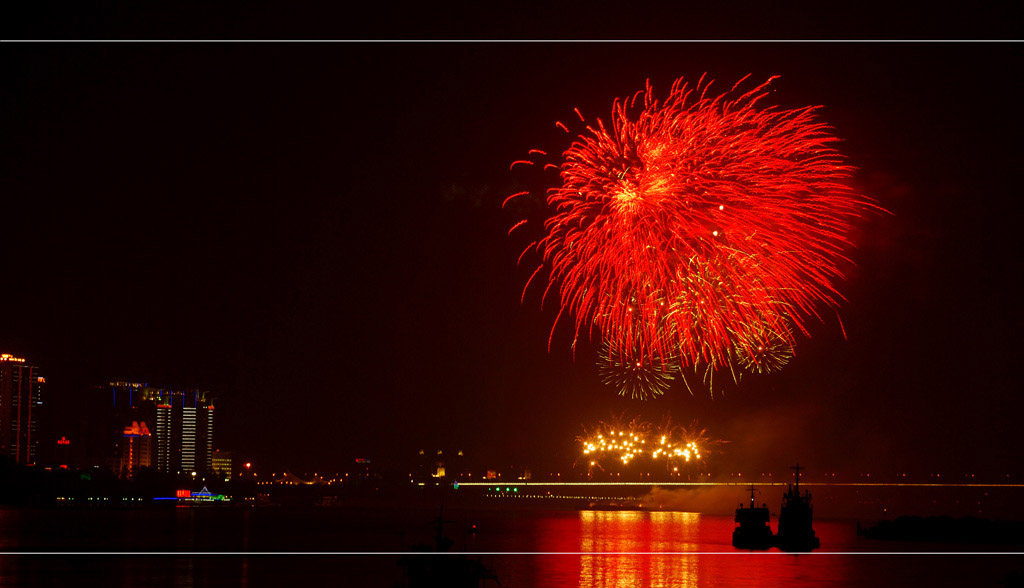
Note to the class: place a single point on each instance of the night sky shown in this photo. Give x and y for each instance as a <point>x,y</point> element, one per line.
<point>313,233</point>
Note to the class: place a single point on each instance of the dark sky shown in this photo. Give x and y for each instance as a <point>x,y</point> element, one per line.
<point>313,233</point>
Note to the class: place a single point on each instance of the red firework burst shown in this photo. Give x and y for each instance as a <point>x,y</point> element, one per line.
<point>693,220</point>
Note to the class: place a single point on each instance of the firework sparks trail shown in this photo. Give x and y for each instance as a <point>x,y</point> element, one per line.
<point>699,228</point>
<point>634,376</point>
<point>621,443</point>
<point>765,351</point>
<point>757,350</point>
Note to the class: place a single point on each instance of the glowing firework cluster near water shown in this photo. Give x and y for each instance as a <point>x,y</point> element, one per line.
<point>621,444</point>
<point>696,234</point>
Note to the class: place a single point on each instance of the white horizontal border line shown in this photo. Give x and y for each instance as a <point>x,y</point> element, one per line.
<point>458,553</point>
<point>511,40</point>
<point>522,484</point>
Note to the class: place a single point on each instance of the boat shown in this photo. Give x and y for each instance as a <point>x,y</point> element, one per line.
<point>443,569</point>
<point>753,531</point>
<point>613,505</point>
<point>795,518</point>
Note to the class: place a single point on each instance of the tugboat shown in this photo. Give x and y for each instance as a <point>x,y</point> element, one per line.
<point>753,532</point>
<point>452,571</point>
<point>795,532</point>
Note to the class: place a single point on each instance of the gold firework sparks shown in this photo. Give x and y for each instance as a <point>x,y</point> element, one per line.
<point>620,443</point>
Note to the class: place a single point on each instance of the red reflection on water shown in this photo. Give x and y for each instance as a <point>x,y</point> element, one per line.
<point>629,551</point>
<point>610,533</point>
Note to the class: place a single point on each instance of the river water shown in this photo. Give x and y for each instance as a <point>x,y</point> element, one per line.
<point>523,547</point>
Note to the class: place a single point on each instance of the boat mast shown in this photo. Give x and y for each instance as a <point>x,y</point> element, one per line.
<point>797,468</point>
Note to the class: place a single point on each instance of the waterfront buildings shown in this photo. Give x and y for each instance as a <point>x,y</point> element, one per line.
<point>222,464</point>
<point>179,423</point>
<point>440,463</point>
<point>21,401</point>
<point>136,450</point>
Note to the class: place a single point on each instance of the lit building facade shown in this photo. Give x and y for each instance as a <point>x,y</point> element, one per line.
<point>136,450</point>
<point>182,440</point>
<point>440,463</point>
<point>184,431</point>
<point>21,403</point>
<point>64,458</point>
<point>223,464</point>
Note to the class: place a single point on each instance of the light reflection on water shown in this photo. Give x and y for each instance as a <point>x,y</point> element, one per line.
<point>637,532</point>
<point>606,549</point>
<point>638,549</point>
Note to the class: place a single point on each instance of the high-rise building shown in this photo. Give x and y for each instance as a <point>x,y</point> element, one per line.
<point>63,456</point>
<point>21,401</point>
<point>223,464</point>
<point>136,449</point>
<point>184,431</point>
<point>183,437</point>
